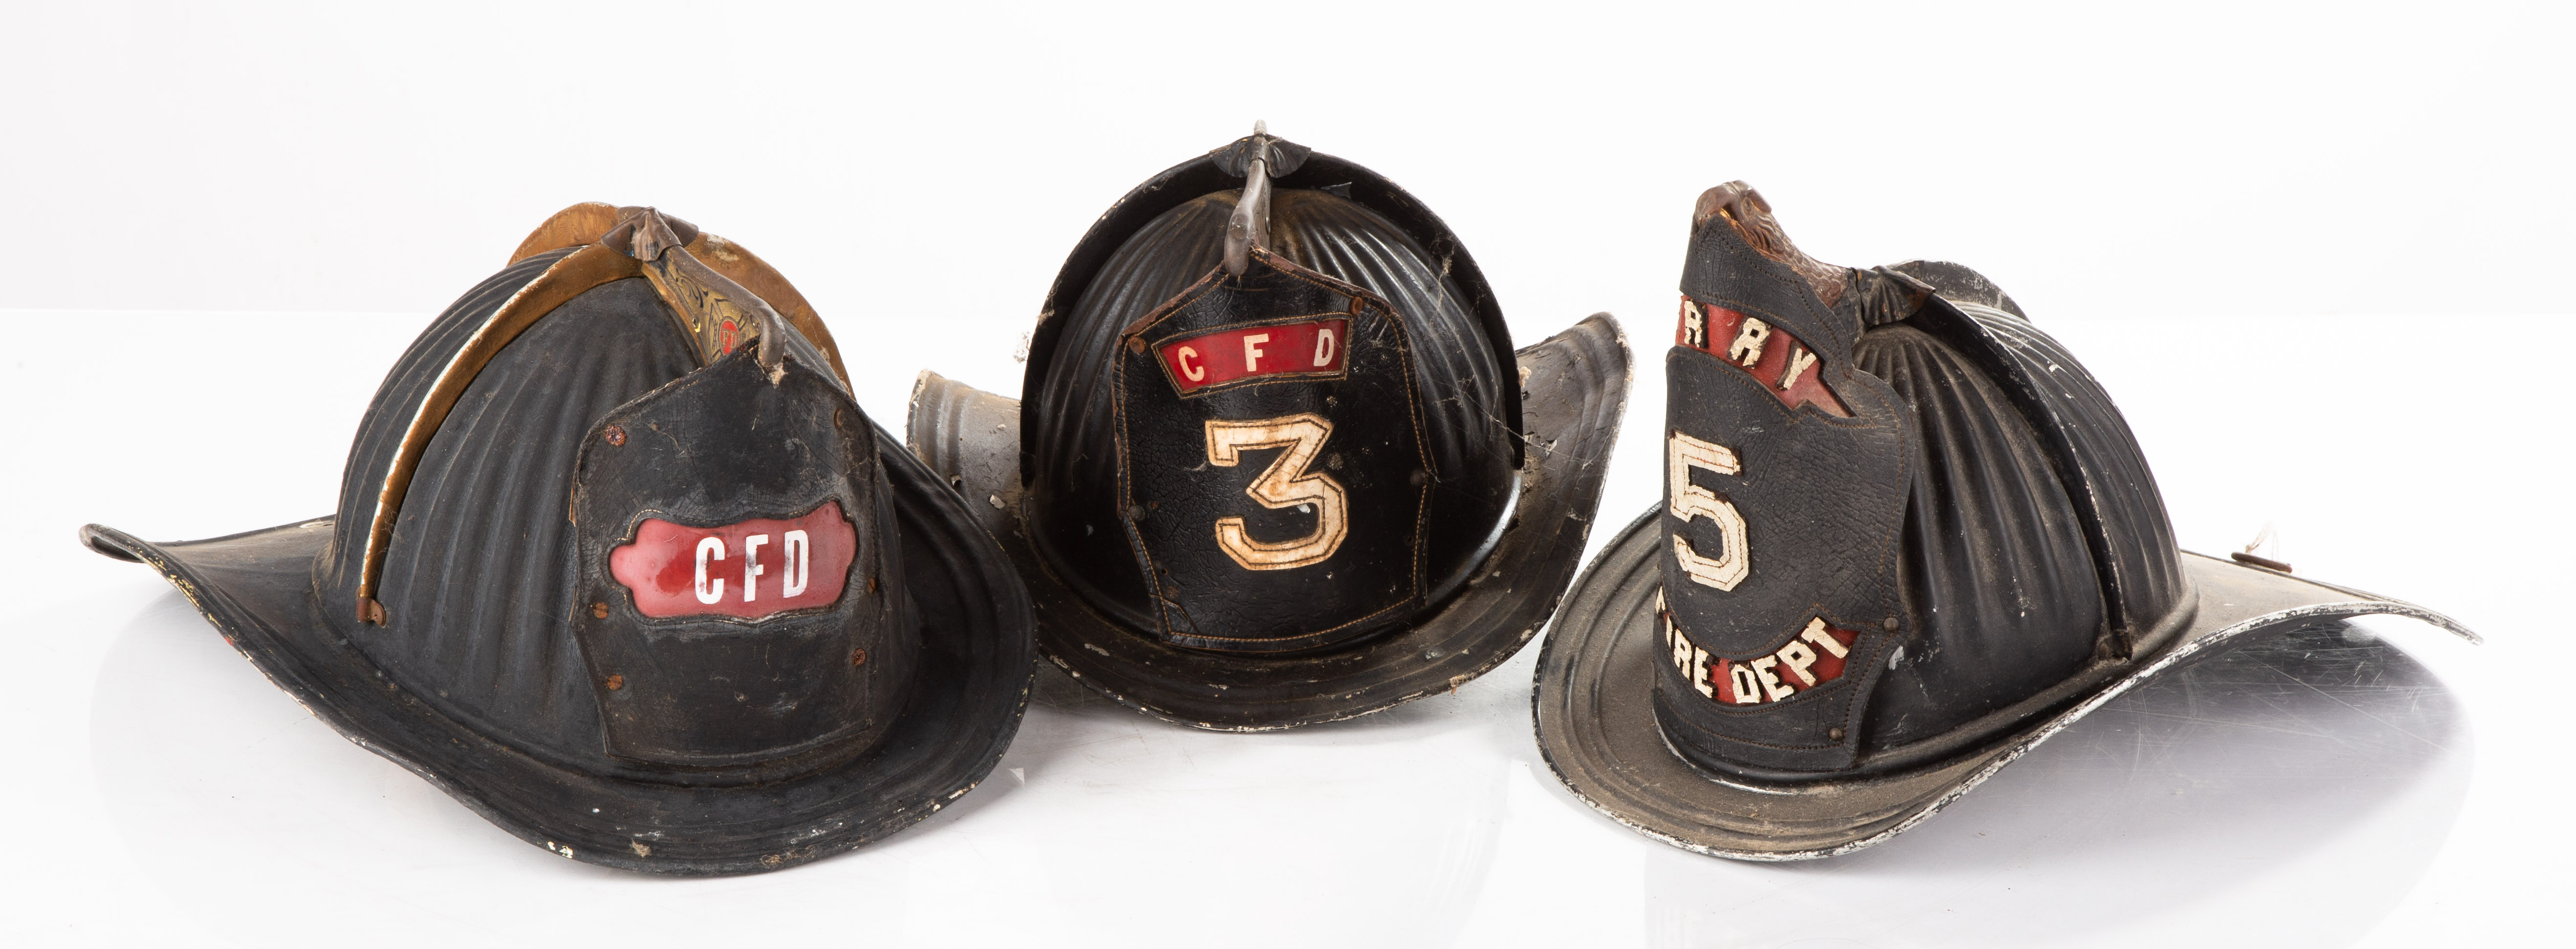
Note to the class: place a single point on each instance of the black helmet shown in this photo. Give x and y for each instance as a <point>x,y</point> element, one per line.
<point>620,565</point>
<point>1278,462</point>
<point>1905,537</point>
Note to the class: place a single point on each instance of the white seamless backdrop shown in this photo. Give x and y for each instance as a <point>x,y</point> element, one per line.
<point>2315,250</point>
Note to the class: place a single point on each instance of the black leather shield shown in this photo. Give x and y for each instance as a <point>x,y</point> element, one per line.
<point>1785,487</point>
<point>1269,451</point>
<point>704,512</point>
<point>1777,518</point>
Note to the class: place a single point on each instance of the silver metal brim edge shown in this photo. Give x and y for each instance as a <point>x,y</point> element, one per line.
<point>1593,710</point>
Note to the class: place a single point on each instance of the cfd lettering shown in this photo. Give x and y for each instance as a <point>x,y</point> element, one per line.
<point>1811,658</point>
<point>1307,348</point>
<point>746,570</point>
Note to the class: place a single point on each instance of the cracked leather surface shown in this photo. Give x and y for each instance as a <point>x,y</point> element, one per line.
<point>1373,454</point>
<point>1080,501</point>
<point>720,446</point>
<point>1821,498</point>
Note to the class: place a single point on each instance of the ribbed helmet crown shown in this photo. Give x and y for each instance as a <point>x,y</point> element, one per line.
<point>1286,459</point>
<point>627,546</point>
<point>1895,507</point>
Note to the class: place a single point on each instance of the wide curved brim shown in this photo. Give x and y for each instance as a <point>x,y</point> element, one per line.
<point>1594,706</point>
<point>1575,387</point>
<point>972,685</point>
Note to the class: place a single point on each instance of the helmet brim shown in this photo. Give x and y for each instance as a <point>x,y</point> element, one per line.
<point>1575,388</point>
<point>971,688</point>
<point>1594,708</point>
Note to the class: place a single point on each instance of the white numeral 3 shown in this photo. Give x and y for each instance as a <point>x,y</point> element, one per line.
<point>1286,483</point>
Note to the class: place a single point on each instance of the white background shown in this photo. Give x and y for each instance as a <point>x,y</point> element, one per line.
<point>2318,253</point>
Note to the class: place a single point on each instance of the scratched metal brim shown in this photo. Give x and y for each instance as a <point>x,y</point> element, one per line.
<point>1596,720</point>
<point>1575,387</point>
<point>974,683</point>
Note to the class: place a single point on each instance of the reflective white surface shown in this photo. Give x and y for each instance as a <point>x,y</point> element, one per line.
<point>2343,763</point>
<point>2286,240</point>
<point>2318,795</point>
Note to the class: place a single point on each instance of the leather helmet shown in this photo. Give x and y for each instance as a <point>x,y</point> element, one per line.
<point>1277,461</point>
<point>620,565</point>
<point>1905,537</point>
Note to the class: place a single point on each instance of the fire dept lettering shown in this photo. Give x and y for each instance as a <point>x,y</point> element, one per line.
<point>745,570</point>
<point>1783,363</point>
<point>1310,347</point>
<point>1808,660</point>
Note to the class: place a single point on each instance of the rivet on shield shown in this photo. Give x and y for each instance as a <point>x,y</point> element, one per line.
<point>616,435</point>
<point>615,682</point>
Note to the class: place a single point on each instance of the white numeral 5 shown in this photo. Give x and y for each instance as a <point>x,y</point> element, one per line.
<point>1286,483</point>
<point>1681,454</point>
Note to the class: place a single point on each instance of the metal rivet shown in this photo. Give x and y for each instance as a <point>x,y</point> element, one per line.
<point>1135,344</point>
<point>858,657</point>
<point>1835,734</point>
<point>616,435</point>
<point>1888,624</point>
<point>616,682</point>
<point>599,610</point>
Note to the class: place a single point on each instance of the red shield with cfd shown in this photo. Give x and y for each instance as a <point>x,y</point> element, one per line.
<point>746,570</point>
